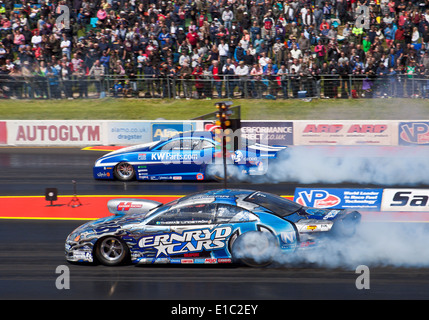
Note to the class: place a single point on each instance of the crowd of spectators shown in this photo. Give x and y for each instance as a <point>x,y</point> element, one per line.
<point>213,48</point>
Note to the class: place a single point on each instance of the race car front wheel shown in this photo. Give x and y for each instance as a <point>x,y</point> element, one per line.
<point>111,251</point>
<point>124,171</point>
<point>254,248</point>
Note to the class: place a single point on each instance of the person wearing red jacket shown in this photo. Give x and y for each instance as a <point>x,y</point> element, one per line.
<point>320,50</point>
<point>192,37</point>
<point>199,81</point>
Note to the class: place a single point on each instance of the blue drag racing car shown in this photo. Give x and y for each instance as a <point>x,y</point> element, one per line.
<point>186,156</point>
<point>212,227</point>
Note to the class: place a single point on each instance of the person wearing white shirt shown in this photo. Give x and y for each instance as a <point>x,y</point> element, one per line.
<point>223,51</point>
<point>65,46</point>
<point>230,64</point>
<point>36,39</point>
<point>242,71</point>
<point>263,60</point>
<point>244,44</point>
<point>296,52</point>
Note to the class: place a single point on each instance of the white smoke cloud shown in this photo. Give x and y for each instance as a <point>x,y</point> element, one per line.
<point>373,245</point>
<point>365,165</point>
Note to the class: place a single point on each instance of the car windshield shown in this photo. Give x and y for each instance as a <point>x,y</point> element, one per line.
<point>279,206</point>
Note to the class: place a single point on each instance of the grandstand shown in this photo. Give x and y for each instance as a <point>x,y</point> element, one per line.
<point>214,49</point>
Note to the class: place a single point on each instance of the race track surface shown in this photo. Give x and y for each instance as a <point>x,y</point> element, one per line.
<point>32,250</point>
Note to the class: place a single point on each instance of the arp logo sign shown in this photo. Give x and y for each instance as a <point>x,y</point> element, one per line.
<point>317,199</point>
<point>413,133</point>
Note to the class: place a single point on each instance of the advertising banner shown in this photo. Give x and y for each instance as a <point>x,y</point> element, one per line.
<point>345,132</point>
<point>165,130</point>
<point>413,133</point>
<point>54,132</point>
<point>129,132</point>
<point>274,132</point>
<point>405,200</point>
<point>3,133</point>
<point>339,198</point>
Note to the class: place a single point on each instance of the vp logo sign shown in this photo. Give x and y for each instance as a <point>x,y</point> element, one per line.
<point>414,133</point>
<point>317,199</point>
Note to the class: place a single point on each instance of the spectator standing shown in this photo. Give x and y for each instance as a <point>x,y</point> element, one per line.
<point>227,17</point>
<point>242,73</point>
<point>66,46</point>
<point>216,71</point>
<point>97,72</point>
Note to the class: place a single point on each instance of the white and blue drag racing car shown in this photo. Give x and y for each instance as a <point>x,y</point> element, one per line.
<point>186,156</point>
<point>212,227</point>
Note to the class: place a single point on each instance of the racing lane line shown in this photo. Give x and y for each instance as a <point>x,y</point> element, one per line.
<point>95,206</point>
<point>91,207</point>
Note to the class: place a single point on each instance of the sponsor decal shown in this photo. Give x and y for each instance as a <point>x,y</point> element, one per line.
<point>344,133</point>
<point>103,174</point>
<point>280,133</point>
<point>287,239</point>
<point>210,126</point>
<point>224,260</point>
<point>170,157</point>
<point>339,198</point>
<point>200,176</point>
<point>187,242</point>
<point>187,261</point>
<point>414,133</point>
<point>210,260</point>
<point>128,132</point>
<point>163,131</point>
<point>126,206</point>
<point>3,132</point>
<point>57,133</point>
<point>317,199</point>
<point>405,200</point>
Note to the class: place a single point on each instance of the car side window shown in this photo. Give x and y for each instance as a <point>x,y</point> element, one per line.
<point>205,144</point>
<point>232,214</point>
<point>186,215</point>
<point>191,144</point>
<point>172,145</point>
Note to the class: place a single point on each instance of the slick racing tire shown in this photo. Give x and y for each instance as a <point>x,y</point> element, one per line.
<point>111,251</point>
<point>254,249</point>
<point>124,171</point>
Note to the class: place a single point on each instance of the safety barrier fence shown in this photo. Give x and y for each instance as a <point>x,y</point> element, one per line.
<point>264,87</point>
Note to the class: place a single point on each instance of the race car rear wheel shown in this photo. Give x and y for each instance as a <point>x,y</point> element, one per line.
<point>216,172</point>
<point>124,171</point>
<point>254,248</point>
<point>111,251</point>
